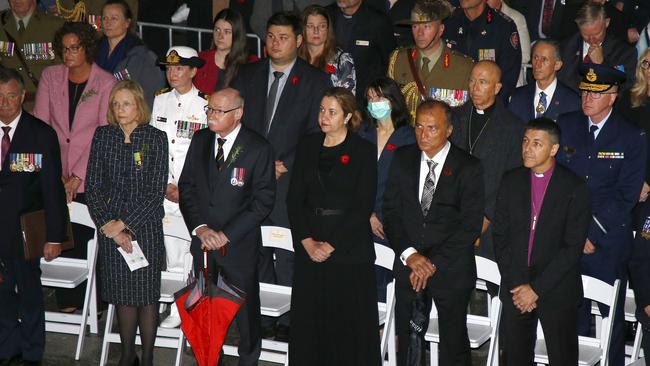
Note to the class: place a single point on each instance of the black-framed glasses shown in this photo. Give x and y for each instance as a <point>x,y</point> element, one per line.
<point>593,95</point>
<point>645,64</point>
<point>220,112</point>
<point>72,49</point>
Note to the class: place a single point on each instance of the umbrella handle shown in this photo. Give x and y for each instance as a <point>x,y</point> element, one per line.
<point>222,250</point>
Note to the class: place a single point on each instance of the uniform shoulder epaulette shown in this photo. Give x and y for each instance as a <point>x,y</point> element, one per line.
<point>203,95</point>
<point>162,91</point>
<point>393,59</point>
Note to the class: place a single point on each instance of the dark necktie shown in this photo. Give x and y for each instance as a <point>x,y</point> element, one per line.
<point>587,59</point>
<point>547,16</point>
<point>5,144</point>
<point>592,132</point>
<point>219,158</point>
<point>425,66</point>
<point>429,188</point>
<point>541,105</point>
<point>270,101</point>
<point>276,6</point>
<point>21,27</point>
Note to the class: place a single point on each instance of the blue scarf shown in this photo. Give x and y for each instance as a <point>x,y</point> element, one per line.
<point>110,62</point>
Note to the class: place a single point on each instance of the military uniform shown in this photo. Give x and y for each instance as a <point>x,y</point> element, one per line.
<point>35,45</point>
<point>180,116</point>
<point>492,36</point>
<point>447,80</point>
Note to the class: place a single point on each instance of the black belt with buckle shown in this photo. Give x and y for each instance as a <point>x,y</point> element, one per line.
<point>328,212</point>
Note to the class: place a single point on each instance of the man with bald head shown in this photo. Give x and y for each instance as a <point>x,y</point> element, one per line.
<point>225,204</point>
<point>433,233</point>
<point>488,131</point>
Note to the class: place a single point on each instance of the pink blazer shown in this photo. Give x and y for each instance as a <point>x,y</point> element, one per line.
<point>52,106</point>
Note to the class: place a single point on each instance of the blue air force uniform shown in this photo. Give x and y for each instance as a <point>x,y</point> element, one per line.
<point>613,165</point>
<point>492,36</point>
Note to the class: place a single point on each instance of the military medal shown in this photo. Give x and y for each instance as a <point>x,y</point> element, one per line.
<point>645,232</point>
<point>237,177</point>
<point>7,48</point>
<point>25,162</point>
<point>137,159</point>
<point>540,108</point>
<point>95,21</point>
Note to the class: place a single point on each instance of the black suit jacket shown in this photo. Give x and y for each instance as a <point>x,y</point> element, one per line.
<point>615,52</point>
<point>22,192</point>
<point>372,41</point>
<point>210,197</point>
<point>563,21</point>
<point>564,100</point>
<point>295,115</point>
<point>499,149</point>
<point>447,234</point>
<point>560,234</point>
<point>349,187</point>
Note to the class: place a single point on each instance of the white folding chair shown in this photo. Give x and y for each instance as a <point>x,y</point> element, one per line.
<point>275,300</point>
<point>171,282</point>
<point>480,329</point>
<point>384,257</point>
<point>591,350</point>
<point>70,273</point>
<point>630,317</point>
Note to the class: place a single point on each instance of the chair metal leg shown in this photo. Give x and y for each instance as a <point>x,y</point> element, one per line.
<point>179,351</point>
<point>84,318</point>
<point>107,330</point>
<point>434,353</point>
<point>637,342</point>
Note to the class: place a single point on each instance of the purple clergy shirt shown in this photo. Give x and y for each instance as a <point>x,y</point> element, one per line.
<point>539,184</point>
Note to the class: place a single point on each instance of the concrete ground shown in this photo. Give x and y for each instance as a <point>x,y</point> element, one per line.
<point>60,348</point>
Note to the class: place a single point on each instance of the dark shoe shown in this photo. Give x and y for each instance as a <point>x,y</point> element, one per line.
<point>31,363</point>
<point>282,334</point>
<point>14,361</point>
<point>268,332</point>
<point>136,361</point>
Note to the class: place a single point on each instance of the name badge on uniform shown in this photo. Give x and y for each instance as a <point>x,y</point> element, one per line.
<point>42,51</point>
<point>610,155</point>
<point>453,97</point>
<point>361,42</point>
<point>7,48</point>
<point>25,162</point>
<point>237,177</point>
<point>122,75</point>
<point>645,232</point>
<point>487,54</point>
<point>161,119</point>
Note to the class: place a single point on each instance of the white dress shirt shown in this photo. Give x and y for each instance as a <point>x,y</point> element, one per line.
<point>439,159</point>
<point>13,126</point>
<point>549,91</point>
<point>585,49</point>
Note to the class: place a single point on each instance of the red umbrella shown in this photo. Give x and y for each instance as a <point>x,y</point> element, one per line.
<point>207,309</point>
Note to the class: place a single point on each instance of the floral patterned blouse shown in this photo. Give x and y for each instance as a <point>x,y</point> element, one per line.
<point>341,70</point>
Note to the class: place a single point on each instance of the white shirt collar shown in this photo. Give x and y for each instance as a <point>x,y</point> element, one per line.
<point>549,91</point>
<point>601,124</point>
<point>439,159</point>
<point>184,97</point>
<point>230,140</point>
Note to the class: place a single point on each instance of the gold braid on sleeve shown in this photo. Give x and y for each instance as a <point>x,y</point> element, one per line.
<point>76,14</point>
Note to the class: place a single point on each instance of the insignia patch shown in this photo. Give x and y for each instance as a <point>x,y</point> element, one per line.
<point>645,232</point>
<point>610,155</point>
<point>487,54</point>
<point>591,75</point>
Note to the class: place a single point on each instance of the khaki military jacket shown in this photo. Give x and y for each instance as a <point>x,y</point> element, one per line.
<point>447,80</point>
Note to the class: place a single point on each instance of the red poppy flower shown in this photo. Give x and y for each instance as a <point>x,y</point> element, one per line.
<point>241,1</point>
<point>345,159</point>
<point>390,147</point>
<point>330,69</point>
<point>447,172</point>
<point>295,80</point>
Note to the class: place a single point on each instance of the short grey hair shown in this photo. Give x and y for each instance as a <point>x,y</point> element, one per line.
<point>550,42</point>
<point>590,13</point>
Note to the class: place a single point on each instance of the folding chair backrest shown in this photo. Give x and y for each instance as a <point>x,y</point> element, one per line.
<point>384,256</point>
<point>487,270</point>
<point>277,237</point>
<point>174,226</point>
<point>79,214</point>
<point>597,290</point>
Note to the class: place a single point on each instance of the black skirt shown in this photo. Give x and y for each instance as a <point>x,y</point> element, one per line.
<point>334,317</point>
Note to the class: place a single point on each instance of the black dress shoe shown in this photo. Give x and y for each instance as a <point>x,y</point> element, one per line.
<point>31,363</point>
<point>282,334</point>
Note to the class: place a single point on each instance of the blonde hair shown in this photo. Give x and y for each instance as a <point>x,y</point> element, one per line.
<point>144,113</point>
<point>639,91</point>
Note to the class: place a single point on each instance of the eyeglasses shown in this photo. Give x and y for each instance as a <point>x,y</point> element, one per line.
<point>72,49</point>
<point>645,64</point>
<point>219,112</point>
<point>126,105</point>
<point>313,28</point>
<point>593,95</point>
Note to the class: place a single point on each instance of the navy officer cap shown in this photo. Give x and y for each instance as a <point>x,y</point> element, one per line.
<point>598,78</point>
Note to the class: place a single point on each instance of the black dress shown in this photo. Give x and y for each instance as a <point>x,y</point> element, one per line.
<point>334,303</point>
<point>127,181</point>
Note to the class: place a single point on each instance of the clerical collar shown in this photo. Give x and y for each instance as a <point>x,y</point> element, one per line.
<point>547,172</point>
<point>487,111</point>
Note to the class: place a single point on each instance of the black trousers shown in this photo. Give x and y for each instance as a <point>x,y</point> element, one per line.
<point>452,320</point>
<point>519,332</point>
<point>244,276</point>
<point>22,298</point>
